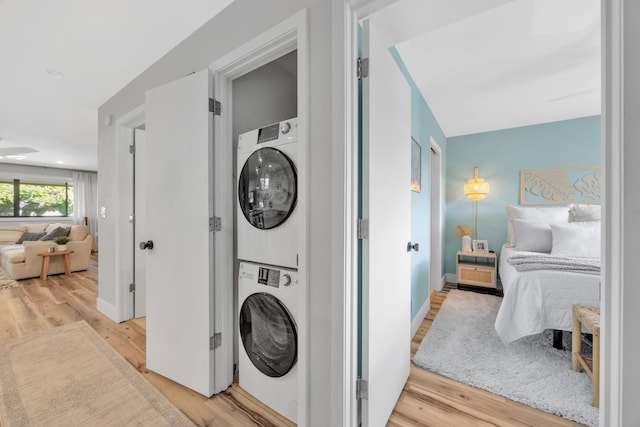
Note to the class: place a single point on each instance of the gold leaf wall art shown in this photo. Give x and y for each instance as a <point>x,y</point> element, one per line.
<point>579,184</point>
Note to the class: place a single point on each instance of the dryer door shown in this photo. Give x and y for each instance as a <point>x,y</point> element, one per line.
<point>267,188</point>
<point>269,334</point>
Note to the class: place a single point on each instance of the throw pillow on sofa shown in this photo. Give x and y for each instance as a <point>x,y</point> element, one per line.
<point>31,237</point>
<point>60,231</point>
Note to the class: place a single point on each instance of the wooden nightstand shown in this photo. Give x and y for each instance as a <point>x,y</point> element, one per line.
<point>477,270</point>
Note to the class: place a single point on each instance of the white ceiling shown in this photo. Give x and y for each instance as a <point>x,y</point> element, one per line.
<point>480,64</point>
<point>516,63</point>
<point>99,47</point>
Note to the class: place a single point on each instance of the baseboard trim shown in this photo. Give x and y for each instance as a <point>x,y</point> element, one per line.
<point>107,309</point>
<point>451,278</point>
<point>422,313</point>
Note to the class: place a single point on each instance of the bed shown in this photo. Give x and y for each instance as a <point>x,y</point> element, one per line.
<point>540,299</point>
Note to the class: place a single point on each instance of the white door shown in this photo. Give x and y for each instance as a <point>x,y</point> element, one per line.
<point>139,212</point>
<point>386,191</point>
<point>179,203</point>
<point>435,260</point>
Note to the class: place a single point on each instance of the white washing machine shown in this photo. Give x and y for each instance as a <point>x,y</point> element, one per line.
<point>268,354</point>
<point>267,223</point>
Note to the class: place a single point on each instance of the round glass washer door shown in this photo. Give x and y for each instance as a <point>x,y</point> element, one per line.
<point>267,188</point>
<point>269,334</point>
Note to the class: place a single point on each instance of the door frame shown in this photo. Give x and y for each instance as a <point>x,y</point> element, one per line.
<point>613,408</point>
<point>435,210</point>
<point>291,34</point>
<point>125,127</point>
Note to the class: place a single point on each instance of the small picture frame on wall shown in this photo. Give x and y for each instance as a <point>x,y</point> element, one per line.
<point>481,246</point>
<point>416,154</point>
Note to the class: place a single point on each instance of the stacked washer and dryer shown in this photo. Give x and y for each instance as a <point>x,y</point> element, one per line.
<point>267,232</point>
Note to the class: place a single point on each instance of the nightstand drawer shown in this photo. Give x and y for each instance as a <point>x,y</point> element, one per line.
<point>476,276</point>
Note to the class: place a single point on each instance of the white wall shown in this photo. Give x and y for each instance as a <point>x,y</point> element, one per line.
<point>236,25</point>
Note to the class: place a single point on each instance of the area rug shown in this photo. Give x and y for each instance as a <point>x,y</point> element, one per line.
<point>462,344</point>
<point>69,376</point>
<point>6,281</point>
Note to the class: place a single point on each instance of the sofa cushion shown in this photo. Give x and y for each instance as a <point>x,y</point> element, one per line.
<point>10,234</point>
<point>78,232</point>
<point>34,227</point>
<point>31,237</point>
<point>57,232</point>
<point>15,256</point>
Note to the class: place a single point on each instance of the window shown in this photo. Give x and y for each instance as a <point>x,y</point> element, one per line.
<point>26,198</point>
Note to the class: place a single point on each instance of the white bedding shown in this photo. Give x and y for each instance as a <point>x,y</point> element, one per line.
<point>537,300</point>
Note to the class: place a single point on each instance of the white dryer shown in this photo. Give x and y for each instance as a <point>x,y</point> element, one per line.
<point>267,359</point>
<point>267,224</point>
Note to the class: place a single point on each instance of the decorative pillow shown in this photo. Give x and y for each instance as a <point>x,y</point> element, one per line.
<point>53,226</point>
<point>532,236</point>
<point>576,239</point>
<point>540,214</point>
<point>31,237</point>
<point>60,231</point>
<point>582,212</point>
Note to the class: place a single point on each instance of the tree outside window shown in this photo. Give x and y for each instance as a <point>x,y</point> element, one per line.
<point>35,199</point>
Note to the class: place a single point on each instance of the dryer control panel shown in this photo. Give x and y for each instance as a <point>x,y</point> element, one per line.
<point>269,277</point>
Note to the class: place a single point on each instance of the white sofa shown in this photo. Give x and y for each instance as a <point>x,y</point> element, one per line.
<point>21,260</point>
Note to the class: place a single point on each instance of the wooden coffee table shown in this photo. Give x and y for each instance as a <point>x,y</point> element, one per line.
<point>46,257</point>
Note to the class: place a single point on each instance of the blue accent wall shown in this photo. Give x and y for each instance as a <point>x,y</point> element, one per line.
<point>500,155</point>
<point>423,126</point>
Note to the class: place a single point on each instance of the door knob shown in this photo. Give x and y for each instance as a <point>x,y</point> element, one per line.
<point>146,245</point>
<point>414,246</point>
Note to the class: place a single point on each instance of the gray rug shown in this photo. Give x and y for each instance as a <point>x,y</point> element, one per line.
<point>463,345</point>
<point>6,281</point>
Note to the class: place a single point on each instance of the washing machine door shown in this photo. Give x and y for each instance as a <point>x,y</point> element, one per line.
<point>267,188</point>
<point>269,334</point>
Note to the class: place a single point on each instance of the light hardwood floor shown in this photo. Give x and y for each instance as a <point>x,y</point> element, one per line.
<point>428,399</point>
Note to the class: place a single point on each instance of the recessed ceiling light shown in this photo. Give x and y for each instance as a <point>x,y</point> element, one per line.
<point>60,162</point>
<point>54,74</point>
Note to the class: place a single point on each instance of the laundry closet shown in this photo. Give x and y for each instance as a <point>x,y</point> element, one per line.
<point>266,284</point>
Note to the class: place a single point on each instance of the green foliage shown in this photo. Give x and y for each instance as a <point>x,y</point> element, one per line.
<point>36,200</point>
<point>62,240</point>
<point>6,199</point>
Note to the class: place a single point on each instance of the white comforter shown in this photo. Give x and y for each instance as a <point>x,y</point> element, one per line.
<point>542,299</point>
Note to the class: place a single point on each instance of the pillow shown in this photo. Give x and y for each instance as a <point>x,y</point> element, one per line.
<point>31,237</point>
<point>532,236</point>
<point>52,227</point>
<point>582,212</point>
<point>60,231</point>
<point>576,239</point>
<point>540,214</point>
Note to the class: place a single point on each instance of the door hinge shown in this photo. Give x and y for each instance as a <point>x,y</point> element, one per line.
<point>215,341</point>
<point>362,389</point>
<point>363,228</point>
<point>362,68</point>
<point>215,223</point>
<point>132,287</point>
<point>132,149</point>
<point>215,106</point>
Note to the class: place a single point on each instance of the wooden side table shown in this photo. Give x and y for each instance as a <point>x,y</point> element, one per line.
<point>477,269</point>
<point>589,317</point>
<point>46,257</point>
